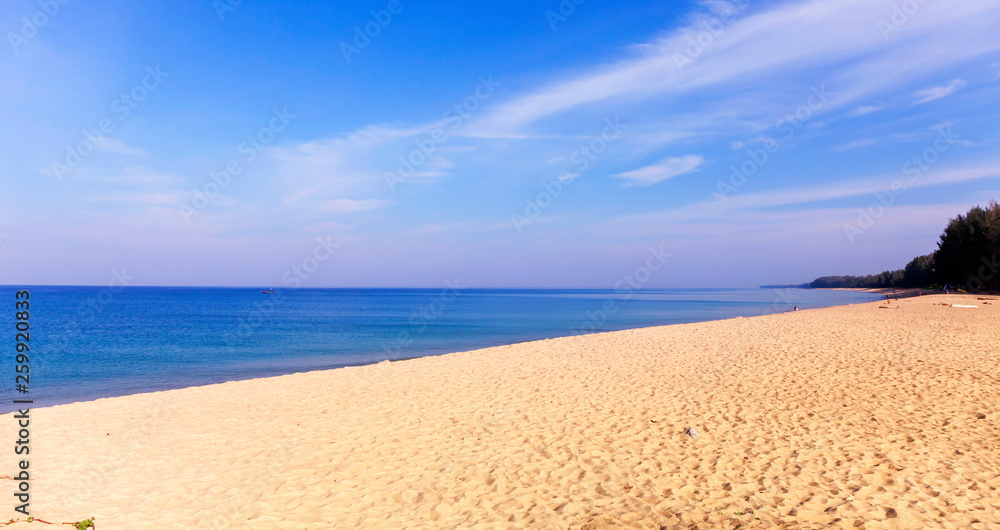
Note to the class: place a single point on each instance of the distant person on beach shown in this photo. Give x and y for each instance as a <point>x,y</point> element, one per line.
<point>796,308</point>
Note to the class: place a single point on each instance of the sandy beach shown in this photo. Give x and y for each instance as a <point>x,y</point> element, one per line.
<point>878,415</point>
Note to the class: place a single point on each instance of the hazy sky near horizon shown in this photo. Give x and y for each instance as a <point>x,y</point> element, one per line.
<point>522,144</point>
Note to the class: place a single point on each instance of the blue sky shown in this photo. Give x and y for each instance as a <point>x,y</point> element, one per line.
<point>529,144</point>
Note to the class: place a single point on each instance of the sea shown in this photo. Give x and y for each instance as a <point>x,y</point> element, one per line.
<point>86,343</point>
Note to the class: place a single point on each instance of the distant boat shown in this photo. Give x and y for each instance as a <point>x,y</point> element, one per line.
<point>269,291</point>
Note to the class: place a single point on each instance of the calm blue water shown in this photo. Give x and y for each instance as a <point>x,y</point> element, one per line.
<point>91,342</point>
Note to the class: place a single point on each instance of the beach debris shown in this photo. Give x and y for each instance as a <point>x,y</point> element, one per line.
<point>965,306</point>
<point>691,432</point>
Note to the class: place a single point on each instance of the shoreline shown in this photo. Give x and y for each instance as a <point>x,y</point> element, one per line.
<point>816,417</point>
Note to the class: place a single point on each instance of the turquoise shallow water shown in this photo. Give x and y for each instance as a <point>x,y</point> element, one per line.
<point>92,342</point>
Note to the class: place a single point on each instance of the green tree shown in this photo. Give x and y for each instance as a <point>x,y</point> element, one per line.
<point>968,252</point>
<point>919,272</point>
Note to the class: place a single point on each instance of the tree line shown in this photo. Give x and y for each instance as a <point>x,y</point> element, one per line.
<point>967,258</point>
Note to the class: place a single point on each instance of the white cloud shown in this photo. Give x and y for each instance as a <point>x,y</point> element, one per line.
<point>667,168</point>
<point>784,42</point>
<point>864,109</point>
<point>337,166</point>
<point>937,92</point>
<point>800,44</point>
<point>822,192</point>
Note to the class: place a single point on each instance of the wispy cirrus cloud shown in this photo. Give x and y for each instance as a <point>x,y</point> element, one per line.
<point>804,195</point>
<point>664,169</point>
<point>937,92</point>
<point>750,53</point>
<point>322,168</point>
<point>725,89</point>
<point>785,41</point>
<point>863,109</point>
